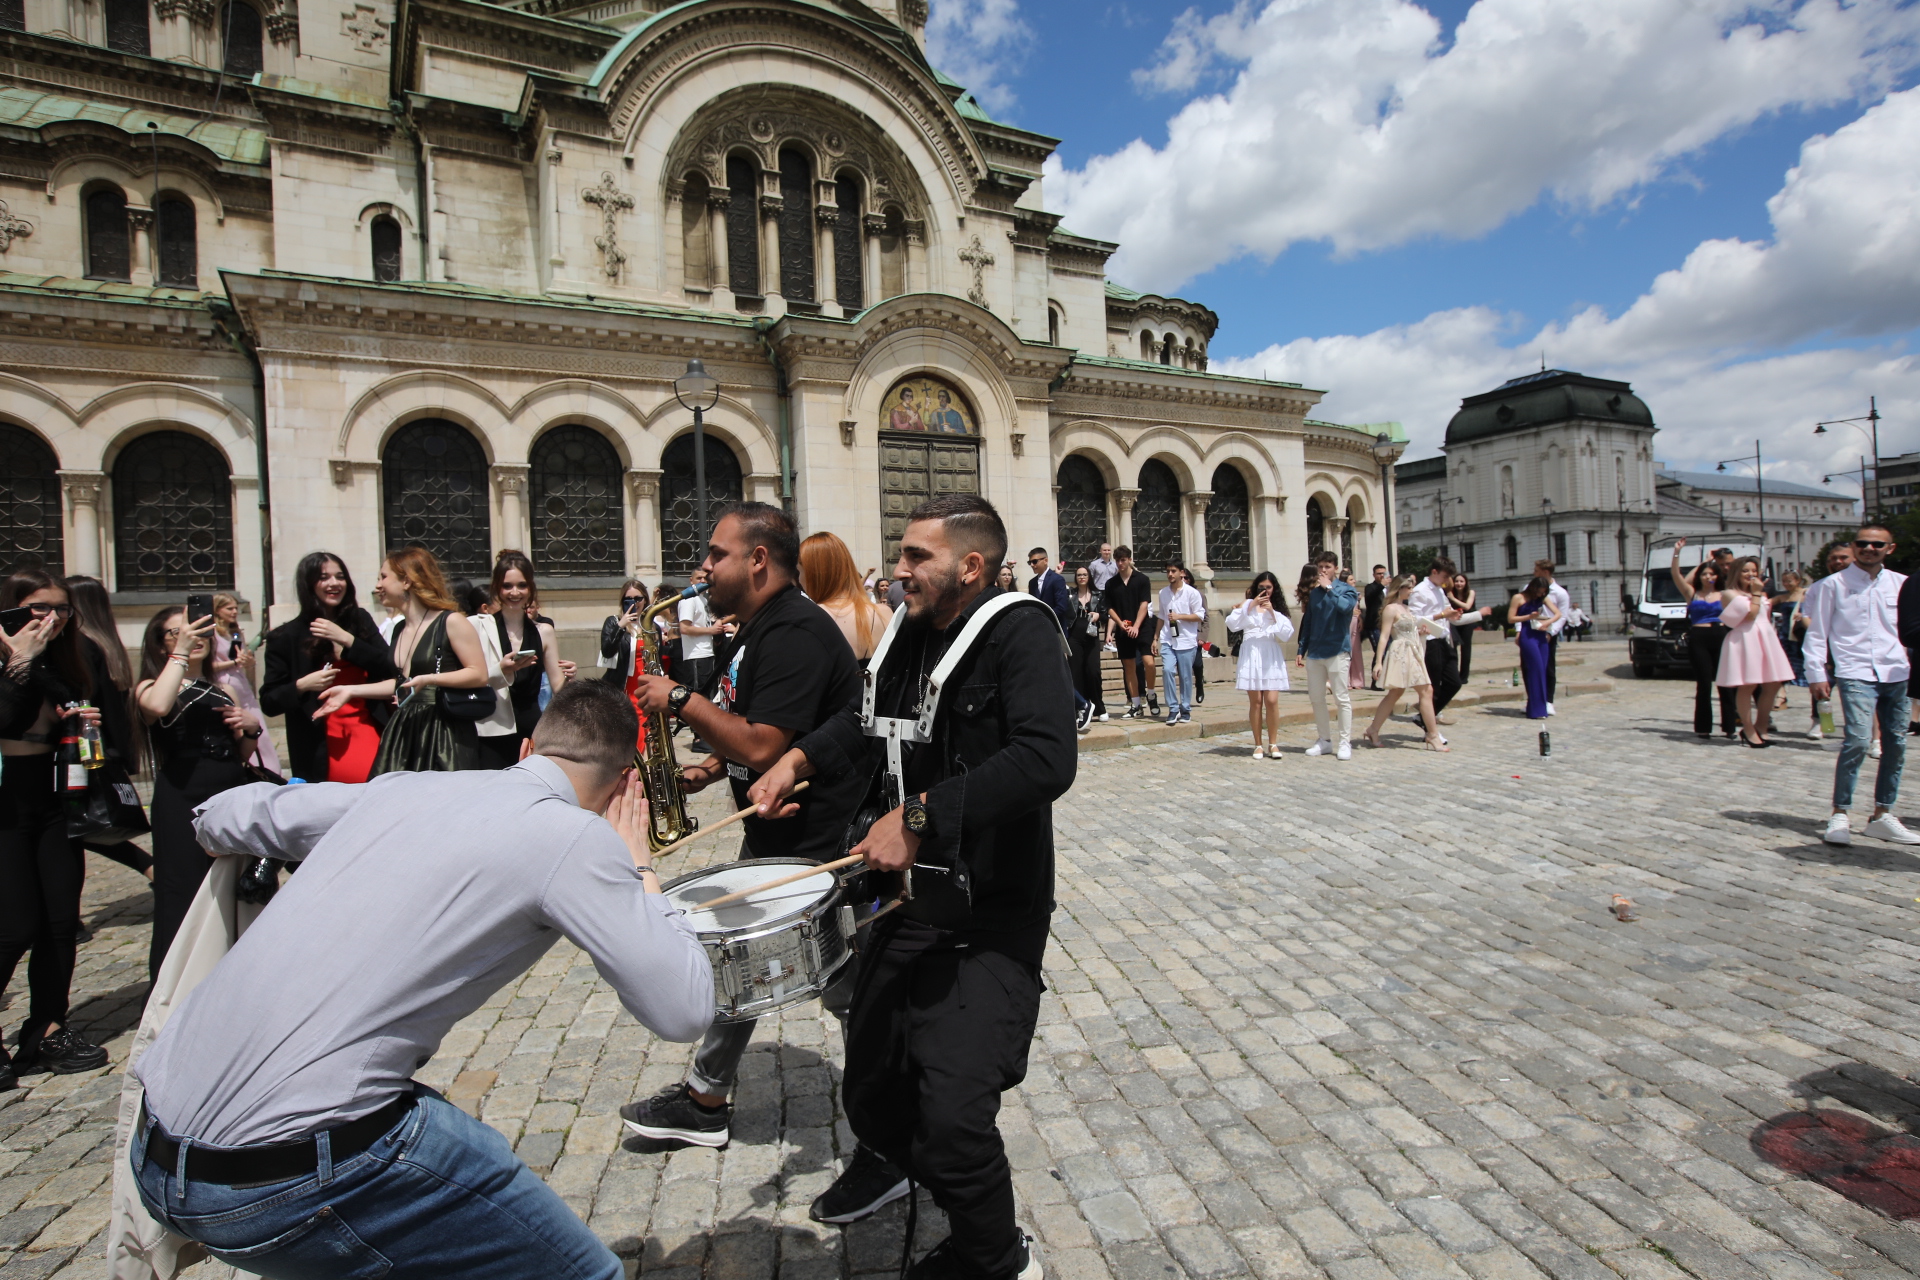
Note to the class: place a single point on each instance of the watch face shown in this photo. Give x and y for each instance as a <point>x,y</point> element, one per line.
<point>916,819</point>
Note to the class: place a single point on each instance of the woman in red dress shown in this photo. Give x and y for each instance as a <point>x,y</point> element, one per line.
<point>332,642</point>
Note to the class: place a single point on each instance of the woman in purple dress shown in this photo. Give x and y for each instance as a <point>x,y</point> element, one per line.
<point>1532,612</point>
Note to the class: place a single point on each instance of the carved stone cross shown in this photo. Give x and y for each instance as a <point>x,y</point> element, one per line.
<point>12,228</point>
<point>369,33</point>
<point>611,201</point>
<point>975,256</point>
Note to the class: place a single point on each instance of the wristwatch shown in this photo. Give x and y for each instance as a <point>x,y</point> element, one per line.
<point>918,818</point>
<point>678,698</point>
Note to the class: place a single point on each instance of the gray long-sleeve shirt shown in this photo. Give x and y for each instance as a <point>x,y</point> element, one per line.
<point>418,896</point>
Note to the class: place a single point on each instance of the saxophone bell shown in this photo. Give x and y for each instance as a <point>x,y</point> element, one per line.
<point>667,816</point>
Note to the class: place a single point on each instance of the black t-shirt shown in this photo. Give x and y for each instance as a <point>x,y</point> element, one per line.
<point>791,667</point>
<point>1125,598</point>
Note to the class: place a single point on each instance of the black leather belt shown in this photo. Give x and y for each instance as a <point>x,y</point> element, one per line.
<point>274,1162</point>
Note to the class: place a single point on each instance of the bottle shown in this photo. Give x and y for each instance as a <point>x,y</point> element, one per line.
<point>93,751</point>
<point>1824,709</point>
<point>1516,677</point>
<point>70,771</point>
<point>1546,743</point>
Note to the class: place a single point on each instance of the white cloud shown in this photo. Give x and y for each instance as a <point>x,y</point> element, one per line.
<point>979,43</point>
<point>1347,122</point>
<point>1702,344</point>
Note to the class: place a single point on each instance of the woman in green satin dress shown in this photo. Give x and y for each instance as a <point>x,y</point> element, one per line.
<point>435,648</point>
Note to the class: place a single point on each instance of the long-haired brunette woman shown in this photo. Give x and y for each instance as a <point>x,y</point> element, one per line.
<point>332,642</point>
<point>830,579</point>
<point>232,665</point>
<point>1706,633</point>
<point>1264,624</point>
<point>1461,595</point>
<point>434,648</point>
<point>93,614</point>
<point>527,647</point>
<point>41,870</point>
<point>1533,613</point>
<point>201,741</point>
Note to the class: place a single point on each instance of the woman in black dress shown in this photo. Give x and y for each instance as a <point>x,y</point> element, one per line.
<point>332,641</point>
<point>41,870</point>
<point>435,648</point>
<point>201,741</point>
<point>527,650</point>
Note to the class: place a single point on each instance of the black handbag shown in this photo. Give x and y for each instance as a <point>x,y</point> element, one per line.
<point>112,812</point>
<point>462,704</point>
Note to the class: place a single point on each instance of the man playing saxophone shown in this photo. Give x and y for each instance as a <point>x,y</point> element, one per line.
<point>787,671</point>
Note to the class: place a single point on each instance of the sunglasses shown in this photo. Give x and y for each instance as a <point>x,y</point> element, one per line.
<point>1863,544</point>
<point>627,602</point>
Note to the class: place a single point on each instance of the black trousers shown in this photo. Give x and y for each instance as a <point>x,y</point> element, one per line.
<point>1086,671</point>
<point>1553,666</point>
<point>179,863</point>
<point>1463,637</point>
<point>934,1038</point>
<point>1442,672</point>
<point>1703,650</point>
<point>41,874</point>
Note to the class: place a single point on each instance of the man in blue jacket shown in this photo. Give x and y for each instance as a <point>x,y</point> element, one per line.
<point>1050,587</point>
<point>1326,639</point>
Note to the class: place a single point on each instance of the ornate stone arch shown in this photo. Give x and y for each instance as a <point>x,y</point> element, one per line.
<point>1100,444</point>
<point>572,401</point>
<point>35,409</point>
<point>128,412</point>
<point>1250,454</point>
<point>1175,448</point>
<point>731,420</point>
<point>396,401</point>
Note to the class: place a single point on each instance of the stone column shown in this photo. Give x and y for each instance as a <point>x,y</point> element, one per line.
<point>718,198</point>
<point>140,260</point>
<point>644,489</point>
<point>510,478</point>
<point>1123,500</point>
<point>1334,527</point>
<point>1196,503</point>
<point>83,489</point>
<point>770,207</point>
<point>826,278</point>
<point>917,280</point>
<point>872,227</point>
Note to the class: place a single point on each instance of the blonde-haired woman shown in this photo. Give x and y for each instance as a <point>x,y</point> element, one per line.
<point>1402,664</point>
<point>231,663</point>
<point>435,648</point>
<point>828,576</point>
<point>1753,662</point>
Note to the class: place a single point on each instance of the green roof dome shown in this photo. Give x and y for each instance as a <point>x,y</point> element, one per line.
<point>1538,399</point>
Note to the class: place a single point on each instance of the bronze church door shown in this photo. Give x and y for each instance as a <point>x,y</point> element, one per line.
<point>929,447</point>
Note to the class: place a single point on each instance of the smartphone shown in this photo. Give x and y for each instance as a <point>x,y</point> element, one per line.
<point>198,607</point>
<point>11,620</point>
<point>518,654</point>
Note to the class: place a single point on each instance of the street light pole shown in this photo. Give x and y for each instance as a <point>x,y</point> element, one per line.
<point>1872,432</point>
<point>1760,494</point>
<point>698,390</point>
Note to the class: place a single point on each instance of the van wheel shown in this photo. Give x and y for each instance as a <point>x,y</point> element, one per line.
<point>1642,667</point>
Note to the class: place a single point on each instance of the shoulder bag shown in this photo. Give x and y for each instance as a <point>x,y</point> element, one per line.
<point>461,704</point>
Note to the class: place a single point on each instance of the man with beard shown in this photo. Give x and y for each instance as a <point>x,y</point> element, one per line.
<point>949,984</point>
<point>788,671</point>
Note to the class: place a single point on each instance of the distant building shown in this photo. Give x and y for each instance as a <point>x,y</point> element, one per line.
<point>1899,484</point>
<point>1799,518</point>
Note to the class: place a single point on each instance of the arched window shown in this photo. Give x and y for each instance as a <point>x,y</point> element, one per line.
<point>1082,510</point>
<point>172,515</point>
<point>109,255</point>
<point>796,226</point>
<point>1316,528</point>
<point>127,26</point>
<point>1053,324</point>
<point>1168,347</point>
<point>385,235</point>
<point>574,496</point>
<point>434,482</point>
<point>1229,535</point>
<point>1156,518</point>
<point>1512,545</point>
<point>173,228</point>
<point>743,227</point>
<point>849,273</point>
<point>29,501</point>
<point>1146,345</point>
<point>893,255</point>
<point>696,233</point>
<point>240,22</point>
<point>1188,360</point>
<point>681,550</point>
<point>13,15</point>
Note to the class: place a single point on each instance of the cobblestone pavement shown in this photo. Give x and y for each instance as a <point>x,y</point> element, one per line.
<point>1306,1018</point>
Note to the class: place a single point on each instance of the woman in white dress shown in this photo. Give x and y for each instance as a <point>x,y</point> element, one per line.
<point>1263,623</point>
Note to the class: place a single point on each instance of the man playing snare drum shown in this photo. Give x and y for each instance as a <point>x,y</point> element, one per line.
<point>949,987</point>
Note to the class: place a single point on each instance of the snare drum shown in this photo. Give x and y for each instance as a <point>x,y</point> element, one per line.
<point>774,950</point>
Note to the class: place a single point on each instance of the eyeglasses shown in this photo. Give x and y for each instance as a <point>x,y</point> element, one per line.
<point>1863,544</point>
<point>58,610</point>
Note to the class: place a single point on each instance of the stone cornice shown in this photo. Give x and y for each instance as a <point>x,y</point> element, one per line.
<point>512,35</point>
<point>92,71</point>
<point>1136,384</point>
<point>817,348</point>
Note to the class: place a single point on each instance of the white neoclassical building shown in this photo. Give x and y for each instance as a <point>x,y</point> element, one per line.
<point>279,275</point>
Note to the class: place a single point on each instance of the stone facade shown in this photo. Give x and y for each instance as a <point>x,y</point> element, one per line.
<point>365,273</point>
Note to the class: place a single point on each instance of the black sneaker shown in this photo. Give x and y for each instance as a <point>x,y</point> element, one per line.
<point>1153,704</point>
<point>7,1079</point>
<point>870,1182</point>
<point>673,1115</point>
<point>1085,719</point>
<point>64,1053</point>
<point>938,1263</point>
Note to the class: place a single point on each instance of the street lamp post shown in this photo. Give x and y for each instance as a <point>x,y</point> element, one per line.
<point>698,390</point>
<point>1440,505</point>
<point>1760,494</point>
<point>1872,432</point>
<point>1384,452</point>
<point>1546,510</point>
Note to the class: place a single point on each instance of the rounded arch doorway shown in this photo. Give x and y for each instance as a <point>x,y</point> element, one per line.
<point>929,447</point>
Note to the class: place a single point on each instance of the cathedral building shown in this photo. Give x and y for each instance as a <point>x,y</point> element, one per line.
<point>282,275</point>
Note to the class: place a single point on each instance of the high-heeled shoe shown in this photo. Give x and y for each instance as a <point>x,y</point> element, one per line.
<point>1434,744</point>
<point>1369,737</point>
<point>1755,745</point>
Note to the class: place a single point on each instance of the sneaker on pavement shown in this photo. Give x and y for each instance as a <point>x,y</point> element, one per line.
<point>1550,710</point>
<point>870,1182</point>
<point>1324,747</point>
<point>673,1115</point>
<point>1815,733</point>
<point>1102,717</point>
<point>1344,751</point>
<point>1873,749</point>
<point>939,1263</point>
<point>1891,829</point>
<point>64,1052</point>
<point>1084,720</point>
<point>1173,717</point>
<point>1839,830</point>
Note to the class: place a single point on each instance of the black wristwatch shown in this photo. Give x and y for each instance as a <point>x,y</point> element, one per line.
<point>678,698</point>
<point>918,818</point>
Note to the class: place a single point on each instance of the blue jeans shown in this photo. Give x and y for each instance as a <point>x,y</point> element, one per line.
<point>1860,701</point>
<point>440,1194</point>
<point>1176,675</point>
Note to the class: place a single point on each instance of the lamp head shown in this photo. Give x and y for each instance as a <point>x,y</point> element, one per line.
<point>696,388</point>
<point>1384,450</point>
<point>1820,429</point>
<point>1721,467</point>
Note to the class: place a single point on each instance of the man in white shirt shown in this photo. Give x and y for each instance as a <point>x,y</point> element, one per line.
<point>1182,612</point>
<point>1103,568</point>
<point>697,630</point>
<point>1853,623</point>
<point>1564,603</point>
<point>1429,600</point>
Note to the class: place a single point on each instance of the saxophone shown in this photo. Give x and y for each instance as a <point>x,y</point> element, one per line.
<point>667,818</point>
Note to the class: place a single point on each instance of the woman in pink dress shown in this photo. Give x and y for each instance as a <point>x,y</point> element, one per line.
<point>1752,660</point>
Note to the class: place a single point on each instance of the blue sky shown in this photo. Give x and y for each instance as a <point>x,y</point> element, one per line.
<point>1264,133</point>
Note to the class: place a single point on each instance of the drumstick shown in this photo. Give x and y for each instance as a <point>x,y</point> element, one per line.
<point>801,874</point>
<point>727,821</point>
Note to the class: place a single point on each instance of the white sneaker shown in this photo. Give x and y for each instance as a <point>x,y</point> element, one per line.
<point>1550,710</point>
<point>1816,734</point>
<point>1839,830</point>
<point>1873,750</point>
<point>1324,747</point>
<point>1891,829</point>
<point>1345,751</point>
<point>1103,717</point>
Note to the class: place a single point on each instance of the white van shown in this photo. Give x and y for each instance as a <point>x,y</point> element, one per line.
<point>1658,638</point>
